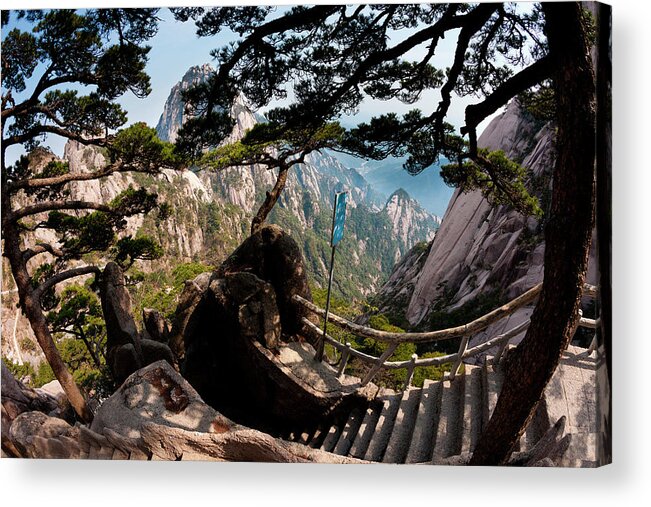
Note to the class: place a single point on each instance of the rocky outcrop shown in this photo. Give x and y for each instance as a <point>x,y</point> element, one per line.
<point>408,219</point>
<point>155,325</point>
<point>157,414</point>
<point>398,289</point>
<point>239,333</point>
<point>236,309</point>
<point>160,395</point>
<point>36,435</point>
<point>190,298</point>
<point>479,247</point>
<point>273,256</point>
<point>126,349</point>
<point>18,399</point>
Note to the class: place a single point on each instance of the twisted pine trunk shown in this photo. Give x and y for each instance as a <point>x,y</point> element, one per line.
<point>31,306</point>
<point>270,200</point>
<point>567,237</point>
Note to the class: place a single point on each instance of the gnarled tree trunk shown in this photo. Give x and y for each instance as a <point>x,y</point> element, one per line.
<point>270,200</point>
<point>567,237</point>
<point>31,306</point>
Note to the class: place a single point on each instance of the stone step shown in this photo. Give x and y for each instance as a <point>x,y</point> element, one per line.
<point>331,438</point>
<point>383,428</point>
<point>492,378</point>
<point>423,437</point>
<point>472,409</point>
<point>583,447</point>
<point>403,427</point>
<point>349,432</point>
<point>366,431</point>
<point>319,436</point>
<point>450,423</point>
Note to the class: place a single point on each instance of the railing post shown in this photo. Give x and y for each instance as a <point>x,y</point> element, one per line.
<point>500,351</point>
<point>457,364</point>
<point>575,325</point>
<point>344,360</point>
<point>379,364</point>
<point>410,371</point>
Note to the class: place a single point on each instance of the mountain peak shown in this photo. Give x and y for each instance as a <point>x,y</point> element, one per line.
<point>173,115</point>
<point>400,195</point>
<point>197,73</point>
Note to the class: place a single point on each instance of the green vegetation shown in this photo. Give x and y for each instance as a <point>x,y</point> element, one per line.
<point>354,268</point>
<point>161,288</point>
<point>443,319</point>
<point>394,379</point>
<point>20,371</point>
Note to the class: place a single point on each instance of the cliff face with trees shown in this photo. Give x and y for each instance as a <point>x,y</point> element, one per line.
<point>209,214</point>
<point>327,54</point>
<point>482,256</point>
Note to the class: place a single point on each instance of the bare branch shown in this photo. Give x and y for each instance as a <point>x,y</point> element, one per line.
<point>65,275</point>
<point>57,205</point>
<point>41,248</point>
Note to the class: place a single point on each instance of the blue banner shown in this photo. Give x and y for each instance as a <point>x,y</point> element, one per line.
<point>339,218</point>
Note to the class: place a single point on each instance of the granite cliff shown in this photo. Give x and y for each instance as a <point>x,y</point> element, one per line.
<point>481,254</point>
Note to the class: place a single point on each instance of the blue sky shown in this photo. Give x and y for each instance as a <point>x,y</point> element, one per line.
<point>176,48</point>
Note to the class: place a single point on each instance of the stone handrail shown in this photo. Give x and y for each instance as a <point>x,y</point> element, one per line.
<point>465,331</point>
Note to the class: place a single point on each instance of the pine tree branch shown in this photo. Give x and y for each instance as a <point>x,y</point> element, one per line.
<point>475,113</point>
<point>66,178</point>
<point>65,275</point>
<point>279,25</point>
<point>51,129</point>
<point>42,207</point>
<point>41,248</point>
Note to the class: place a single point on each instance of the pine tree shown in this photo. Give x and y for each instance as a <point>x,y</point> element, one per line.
<point>335,56</point>
<point>62,78</point>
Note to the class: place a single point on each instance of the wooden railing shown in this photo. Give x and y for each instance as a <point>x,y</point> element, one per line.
<point>465,332</point>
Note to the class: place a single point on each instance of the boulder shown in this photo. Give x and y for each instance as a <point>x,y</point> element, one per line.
<point>127,350</point>
<point>37,435</point>
<point>155,325</point>
<point>236,310</point>
<point>192,294</point>
<point>273,256</point>
<point>17,399</point>
<point>157,394</point>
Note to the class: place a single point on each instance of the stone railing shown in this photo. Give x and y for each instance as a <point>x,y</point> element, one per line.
<point>465,332</point>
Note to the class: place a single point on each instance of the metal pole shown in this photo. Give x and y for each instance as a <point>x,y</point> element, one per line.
<point>319,353</point>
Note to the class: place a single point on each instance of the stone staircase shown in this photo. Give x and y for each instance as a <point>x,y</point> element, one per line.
<point>420,425</point>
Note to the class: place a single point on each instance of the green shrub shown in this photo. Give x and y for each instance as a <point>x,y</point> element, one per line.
<point>19,371</point>
<point>27,345</point>
<point>44,374</point>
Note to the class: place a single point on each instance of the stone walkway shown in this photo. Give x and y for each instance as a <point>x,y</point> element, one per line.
<point>572,392</point>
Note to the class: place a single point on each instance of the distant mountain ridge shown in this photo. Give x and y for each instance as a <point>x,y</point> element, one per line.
<point>388,175</point>
<point>380,231</point>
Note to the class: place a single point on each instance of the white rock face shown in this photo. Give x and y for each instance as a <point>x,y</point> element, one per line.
<point>477,245</point>
<point>310,187</point>
<point>173,116</point>
<point>478,248</point>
